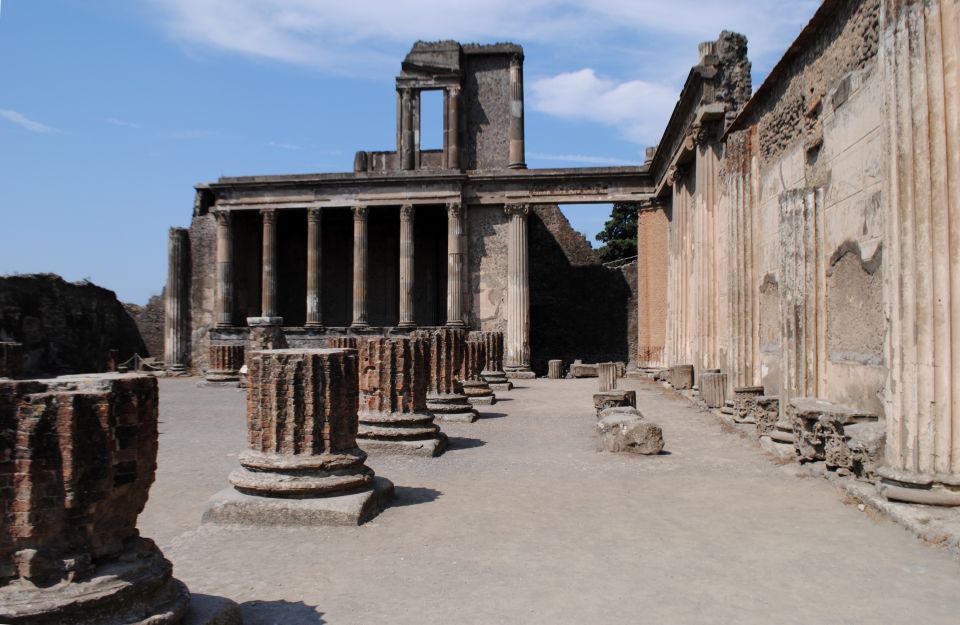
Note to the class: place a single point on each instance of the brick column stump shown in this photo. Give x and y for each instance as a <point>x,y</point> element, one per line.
<point>303,465</point>
<point>445,397</point>
<point>476,389</point>
<point>493,371</point>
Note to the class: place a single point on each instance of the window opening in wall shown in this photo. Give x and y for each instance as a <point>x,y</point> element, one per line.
<point>431,120</point>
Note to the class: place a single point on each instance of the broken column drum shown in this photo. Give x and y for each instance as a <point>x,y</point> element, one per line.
<point>393,413</point>
<point>713,388</point>
<point>555,369</point>
<point>226,359</point>
<point>607,375</point>
<point>493,371</point>
<point>77,458</point>
<point>476,389</point>
<point>302,465</point>
<point>445,398</point>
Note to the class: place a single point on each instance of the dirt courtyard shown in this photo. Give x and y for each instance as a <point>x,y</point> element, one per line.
<point>523,521</point>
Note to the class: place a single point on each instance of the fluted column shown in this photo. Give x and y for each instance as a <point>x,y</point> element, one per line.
<point>360,267</point>
<point>406,266</point>
<point>406,129</point>
<point>177,295</point>
<point>453,127</point>
<point>920,57</point>
<point>456,241</point>
<point>517,361</point>
<point>268,286</point>
<point>314,273</point>
<point>517,156</point>
<point>224,293</point>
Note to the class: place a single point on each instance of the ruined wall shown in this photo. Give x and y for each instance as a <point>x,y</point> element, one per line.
<point>65,327</point>
<point>150,322</point>
<point>578,307</point>
<point>487,99</point>
<point>487,268</point>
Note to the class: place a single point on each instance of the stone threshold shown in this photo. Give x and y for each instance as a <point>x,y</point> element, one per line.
<point>937,526</point>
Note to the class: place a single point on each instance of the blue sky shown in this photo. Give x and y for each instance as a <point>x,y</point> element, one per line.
<point>110,110</point>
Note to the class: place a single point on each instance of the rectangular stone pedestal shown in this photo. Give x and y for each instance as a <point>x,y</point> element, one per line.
<point>231,507</point>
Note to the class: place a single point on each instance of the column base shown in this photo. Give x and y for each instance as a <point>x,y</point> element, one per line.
<point>359,325</point>
<point>406,325</point>
<point>931,490</point>
<point>455,324</point>
<point>231,507</point>
<point>264,321</point>
<point>315,325</point>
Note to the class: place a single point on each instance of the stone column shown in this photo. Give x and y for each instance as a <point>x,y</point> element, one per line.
<point>314,271</point>
<point>406,267</point>
<point>653,234</point>
<point>302,465</point>
<point>406,129</point>
<point>453,127</point>
<point>393,415</point>
<point>713,388</point>
<point>607,376</point>
<point>456,243</point>
<point>224,294</point>
<point>517,157</point>
<point>360,267</point>
<point>555,369</point>
<point>920,57</point>
<point>517,361</point>
<point>71,552</point>
<point>177,325</point>
<point>268,285</point>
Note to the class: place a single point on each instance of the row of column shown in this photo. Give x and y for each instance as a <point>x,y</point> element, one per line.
<point>408,99</point>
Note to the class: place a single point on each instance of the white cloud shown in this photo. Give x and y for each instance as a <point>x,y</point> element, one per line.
<point>284,146</point>
<point>639,108</point>
<point>121,123</point>
<point>25,122</point>
<point>581,158</point>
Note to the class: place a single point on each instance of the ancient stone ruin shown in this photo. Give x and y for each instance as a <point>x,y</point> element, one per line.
<point>302,465</point>
<point>77,458</point>
<point>446,399</point>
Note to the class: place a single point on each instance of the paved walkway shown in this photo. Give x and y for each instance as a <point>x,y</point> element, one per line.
<point>524,522</point>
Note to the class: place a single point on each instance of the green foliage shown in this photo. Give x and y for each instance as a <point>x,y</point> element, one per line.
<point>619,234</point>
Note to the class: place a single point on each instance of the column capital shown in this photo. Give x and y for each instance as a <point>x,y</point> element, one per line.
<point>517,209</point>
<point>454,90</point>
<point>406,212</point>
<point>269,215</point>
<point>223,217</point>
<point>360,212</point>
<point>455,209</point>
<point>313,214</point>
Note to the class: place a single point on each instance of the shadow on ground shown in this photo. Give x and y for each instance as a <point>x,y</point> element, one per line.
<point>280,613</point>
<point>456,443</point>
<point>491,415</point>
<point>413,495</point>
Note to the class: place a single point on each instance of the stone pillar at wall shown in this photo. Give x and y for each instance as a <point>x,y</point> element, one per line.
<point>407,319</point>
<point>920,57</point>
<point>406,129</point>
<point>517,352</point>
<point>555,369</point>
<point>225,362</point>
<point>652,260</point>
<point>607,376</point>
<point>493,371</point>
<point>11,359</point>
<point>476,389</point>
<point>517,156</point>
<point>78,459</point>
<point>224,294</point>
<point>314,268</point>
<point>302,465</point>
<point>445,398</point>
<point>176,321</point>
<point>456,252</point>
<point>453,127</point>
<point>360,249</point>
<point>393,413</point>
<point>268,287</point>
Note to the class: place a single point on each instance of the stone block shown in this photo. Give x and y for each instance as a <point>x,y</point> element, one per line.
<point>555,369</point>
<point>613,399</point>
<point>713,388</point>
<point>581,370</point>
<point>78,455</point>
<point>820,430</point>
<point>630,433</point>
<point>302,456</point>
<point>681,377</point>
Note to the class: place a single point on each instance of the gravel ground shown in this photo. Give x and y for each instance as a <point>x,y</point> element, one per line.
<point>523,521</point>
